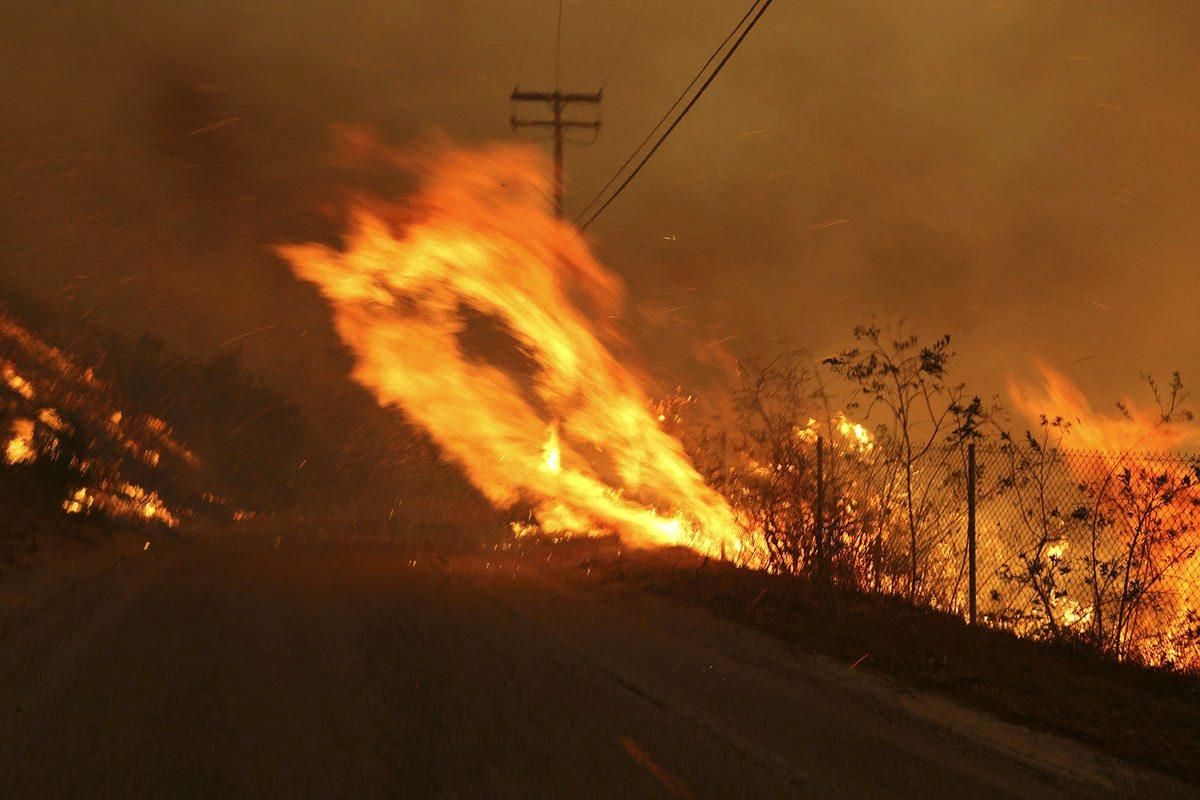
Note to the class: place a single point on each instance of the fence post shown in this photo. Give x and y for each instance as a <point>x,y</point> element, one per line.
<point>819,510</point>
<point>971,528</point>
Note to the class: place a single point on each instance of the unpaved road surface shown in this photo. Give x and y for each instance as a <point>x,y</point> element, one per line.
<point>229,667</point>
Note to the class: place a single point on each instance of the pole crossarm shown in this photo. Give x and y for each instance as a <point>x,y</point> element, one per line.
<point>558,102</point>
<point>557,96</point>
<point>549,123</point>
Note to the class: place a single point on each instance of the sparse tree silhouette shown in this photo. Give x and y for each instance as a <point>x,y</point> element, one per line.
<point>923,422</point>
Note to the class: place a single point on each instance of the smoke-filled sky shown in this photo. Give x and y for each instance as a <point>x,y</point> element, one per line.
<point>1021,174</point>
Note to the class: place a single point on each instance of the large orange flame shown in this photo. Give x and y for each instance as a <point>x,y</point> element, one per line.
<point>577,439</point>
<point>1136,430</point>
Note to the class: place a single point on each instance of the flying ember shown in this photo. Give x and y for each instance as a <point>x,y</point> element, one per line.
<point>573,435</point>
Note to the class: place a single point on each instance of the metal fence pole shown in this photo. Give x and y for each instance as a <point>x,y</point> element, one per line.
<point>971,528</point>
<point>819,509</point>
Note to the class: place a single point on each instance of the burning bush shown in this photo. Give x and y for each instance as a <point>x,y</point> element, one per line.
<point>96,437</point>
<point>68,439</point>
<point>794,481</point>
<point>1111,543</point>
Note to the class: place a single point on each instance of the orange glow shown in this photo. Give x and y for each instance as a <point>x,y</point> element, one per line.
<point>1111,432</point>
<point>19,449</point>
<point>552,452</point>
<point>1117,435</point>
<point>40,374</point>
<point>856,435</point>
<point>17,383</point>
<point>578,438</point>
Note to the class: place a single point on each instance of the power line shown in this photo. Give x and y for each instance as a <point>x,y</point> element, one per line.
<point>524,47</point>
<point>558,44</point>
<point>717,71</point>
<point>667,115</point>
<point>621,47</point>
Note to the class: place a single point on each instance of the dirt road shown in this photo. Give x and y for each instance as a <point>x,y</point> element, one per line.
<point>232,667</point>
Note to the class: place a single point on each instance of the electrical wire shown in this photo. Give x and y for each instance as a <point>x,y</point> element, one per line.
<point>667,115</point>
<point>765,4</point>
<point>621,47</point>
<point>558,44</point>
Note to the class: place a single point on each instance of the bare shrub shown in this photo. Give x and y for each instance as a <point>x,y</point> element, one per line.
<point>923,423</point>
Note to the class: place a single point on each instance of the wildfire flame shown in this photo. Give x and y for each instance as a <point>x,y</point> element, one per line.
<point>855,435</point>
<point>20,444</point>
<point>552,452</point>
<point>1117,435</point>
<point>577,438</point>
<point>1135,430</point>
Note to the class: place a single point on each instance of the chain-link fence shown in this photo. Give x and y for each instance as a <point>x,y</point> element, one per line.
<point>1091,545</point>
<point>1048,543</point>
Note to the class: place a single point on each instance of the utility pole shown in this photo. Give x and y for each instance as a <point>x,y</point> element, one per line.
<point>558,102</point>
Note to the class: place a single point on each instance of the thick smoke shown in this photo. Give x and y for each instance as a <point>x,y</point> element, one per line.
<point>1022,174</point>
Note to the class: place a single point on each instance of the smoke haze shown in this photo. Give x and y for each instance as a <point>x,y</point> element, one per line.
<point>1020,174</point>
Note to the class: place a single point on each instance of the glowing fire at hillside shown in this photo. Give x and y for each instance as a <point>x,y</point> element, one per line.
<point>1155,509</point>
<point>577,439</point>
<point>42,389</point>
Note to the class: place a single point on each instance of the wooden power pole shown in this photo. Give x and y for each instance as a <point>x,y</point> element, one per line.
<point>558,102</point>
